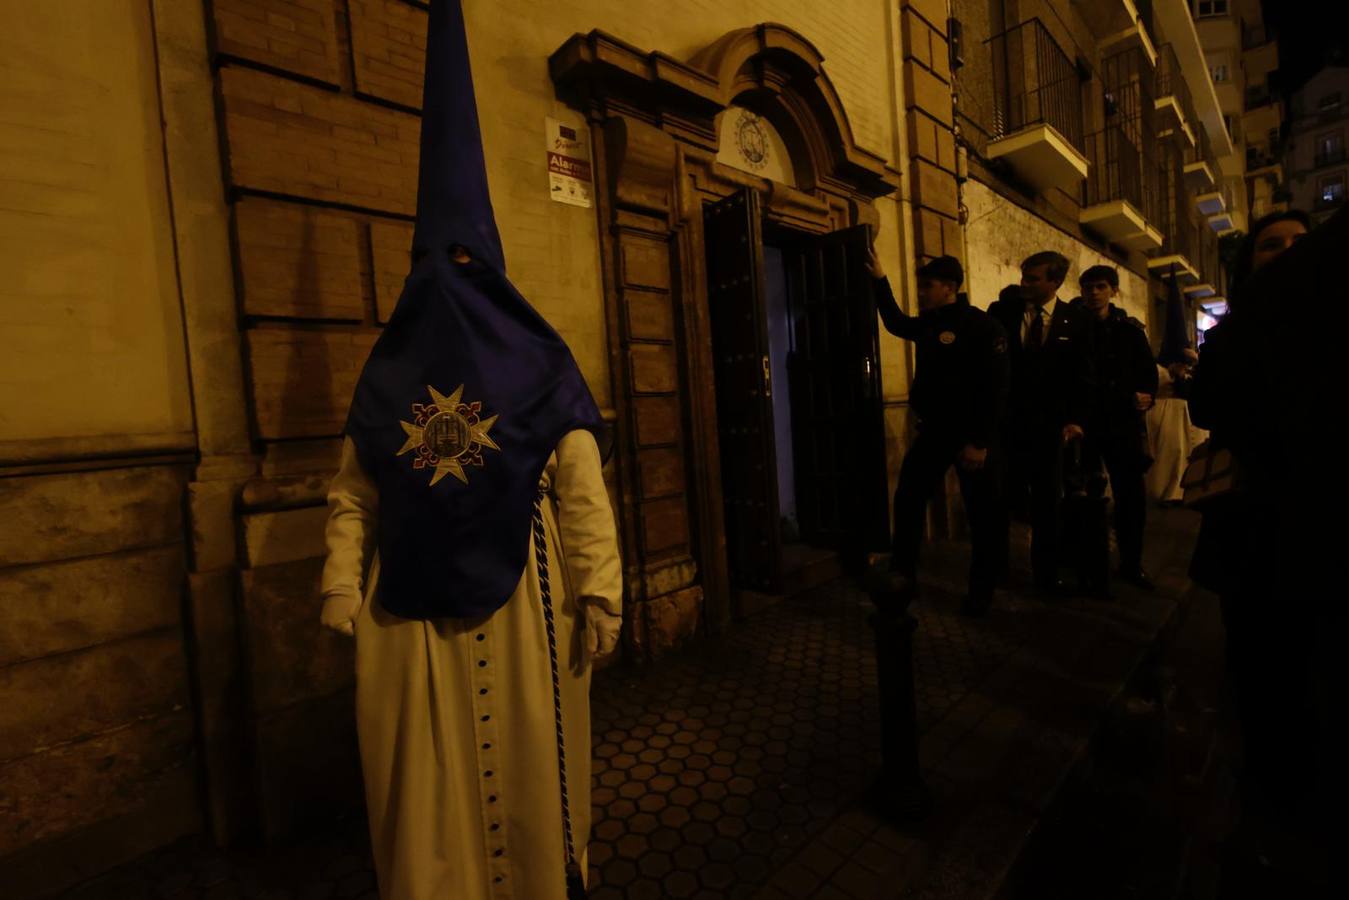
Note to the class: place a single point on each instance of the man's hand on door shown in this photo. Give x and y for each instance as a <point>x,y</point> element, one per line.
<point>874,264</point>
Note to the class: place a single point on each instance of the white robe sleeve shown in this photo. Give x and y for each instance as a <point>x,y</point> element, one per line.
<point>589,538</point>
<point>352,530</point>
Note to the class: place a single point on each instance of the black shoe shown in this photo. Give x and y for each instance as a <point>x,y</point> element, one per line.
<point>1138,578</point>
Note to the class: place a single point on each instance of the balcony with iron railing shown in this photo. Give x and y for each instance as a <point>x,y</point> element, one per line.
<point>1119,24</point>
<point>1262,162</point>
<point>1128,29</point>
<point>1114,196</point>
<point>1116,169</point>
<point>1035,120</point>
<point>1210,278</point>
<point>1178,252</point>
<point>1176,219</point>
<point>1129,79</point>
<point>1155,187</point>
<point>1175,106</point>
<point>1201,170</point>
<point>1258,95</point>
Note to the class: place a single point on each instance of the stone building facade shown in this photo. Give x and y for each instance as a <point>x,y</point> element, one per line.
<point>1318,174</point>
<point>215,214</point>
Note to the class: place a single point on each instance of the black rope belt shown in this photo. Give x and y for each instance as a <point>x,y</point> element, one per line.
<point>572,869</point>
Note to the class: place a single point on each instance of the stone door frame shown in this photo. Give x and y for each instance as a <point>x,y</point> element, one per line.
<point>655,142</point>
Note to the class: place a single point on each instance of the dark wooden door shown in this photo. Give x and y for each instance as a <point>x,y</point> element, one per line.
<point>835,383</point>
<point>735,296</point>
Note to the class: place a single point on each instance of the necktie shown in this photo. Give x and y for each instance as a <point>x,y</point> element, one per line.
<point>1037,331</point>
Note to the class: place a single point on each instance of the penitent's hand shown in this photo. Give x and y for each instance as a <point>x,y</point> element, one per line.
<point>339,612</point>
<point>874,264</point>
<point>602,629</point>
<point>1142,402</point>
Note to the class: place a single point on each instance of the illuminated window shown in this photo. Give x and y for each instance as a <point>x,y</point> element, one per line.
<point>1330,189</point>
<point>1219,72</point>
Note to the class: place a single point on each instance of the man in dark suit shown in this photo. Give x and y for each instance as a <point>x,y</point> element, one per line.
<point>1049,344</point>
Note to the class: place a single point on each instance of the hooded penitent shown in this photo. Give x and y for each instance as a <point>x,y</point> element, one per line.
<point>468,390</point>
<point>1176,333</point>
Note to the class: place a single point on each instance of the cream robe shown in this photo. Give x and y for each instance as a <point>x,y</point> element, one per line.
<point>1171,440</point>
<point>455,716</point>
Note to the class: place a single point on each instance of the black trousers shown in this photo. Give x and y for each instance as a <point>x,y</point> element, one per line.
<point>1035,492</point>
<point>924,468</point>
<point>1126,465</point>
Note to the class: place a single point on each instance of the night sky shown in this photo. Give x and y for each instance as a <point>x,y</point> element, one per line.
<point>1308,31</point>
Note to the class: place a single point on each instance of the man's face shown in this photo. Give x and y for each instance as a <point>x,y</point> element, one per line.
<point>1098,295</point>
<point>933,292</point>
<point>1035,285</point>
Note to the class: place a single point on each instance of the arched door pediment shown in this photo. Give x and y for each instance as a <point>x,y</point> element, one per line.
<point>767,68</point>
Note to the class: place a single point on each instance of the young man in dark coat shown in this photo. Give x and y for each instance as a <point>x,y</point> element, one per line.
<point>1049,347</point>
<point>959,394</point>
<point>1126,387</point>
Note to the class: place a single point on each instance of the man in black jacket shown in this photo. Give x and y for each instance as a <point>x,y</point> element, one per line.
<point>1049,347</point>
<point>1126,387</point>
<point>959,393</point>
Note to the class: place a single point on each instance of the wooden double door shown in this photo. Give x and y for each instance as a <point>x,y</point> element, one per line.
<point>833,380</point>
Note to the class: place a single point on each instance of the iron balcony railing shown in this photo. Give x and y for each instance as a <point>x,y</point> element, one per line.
<point>1168,71</point>
<point>1155,188</point>
<point>1180,238</point>
<point>1257,158</point>
<point>1176,216</point>
<point>1171,82</point>
<point>1127,79</point>
<point>1201,151</point>
<point>1034,83</point>
<point>1115,169</point>
<point>1206,247</point>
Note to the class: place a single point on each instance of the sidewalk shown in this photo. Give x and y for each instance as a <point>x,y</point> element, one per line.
<point>739,768</point>
<point>996,757</point>
<point>721,768</point>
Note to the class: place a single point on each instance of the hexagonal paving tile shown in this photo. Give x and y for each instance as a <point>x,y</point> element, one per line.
<point>711,770</point>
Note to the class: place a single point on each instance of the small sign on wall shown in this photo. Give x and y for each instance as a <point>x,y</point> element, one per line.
<point>568,164</point>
